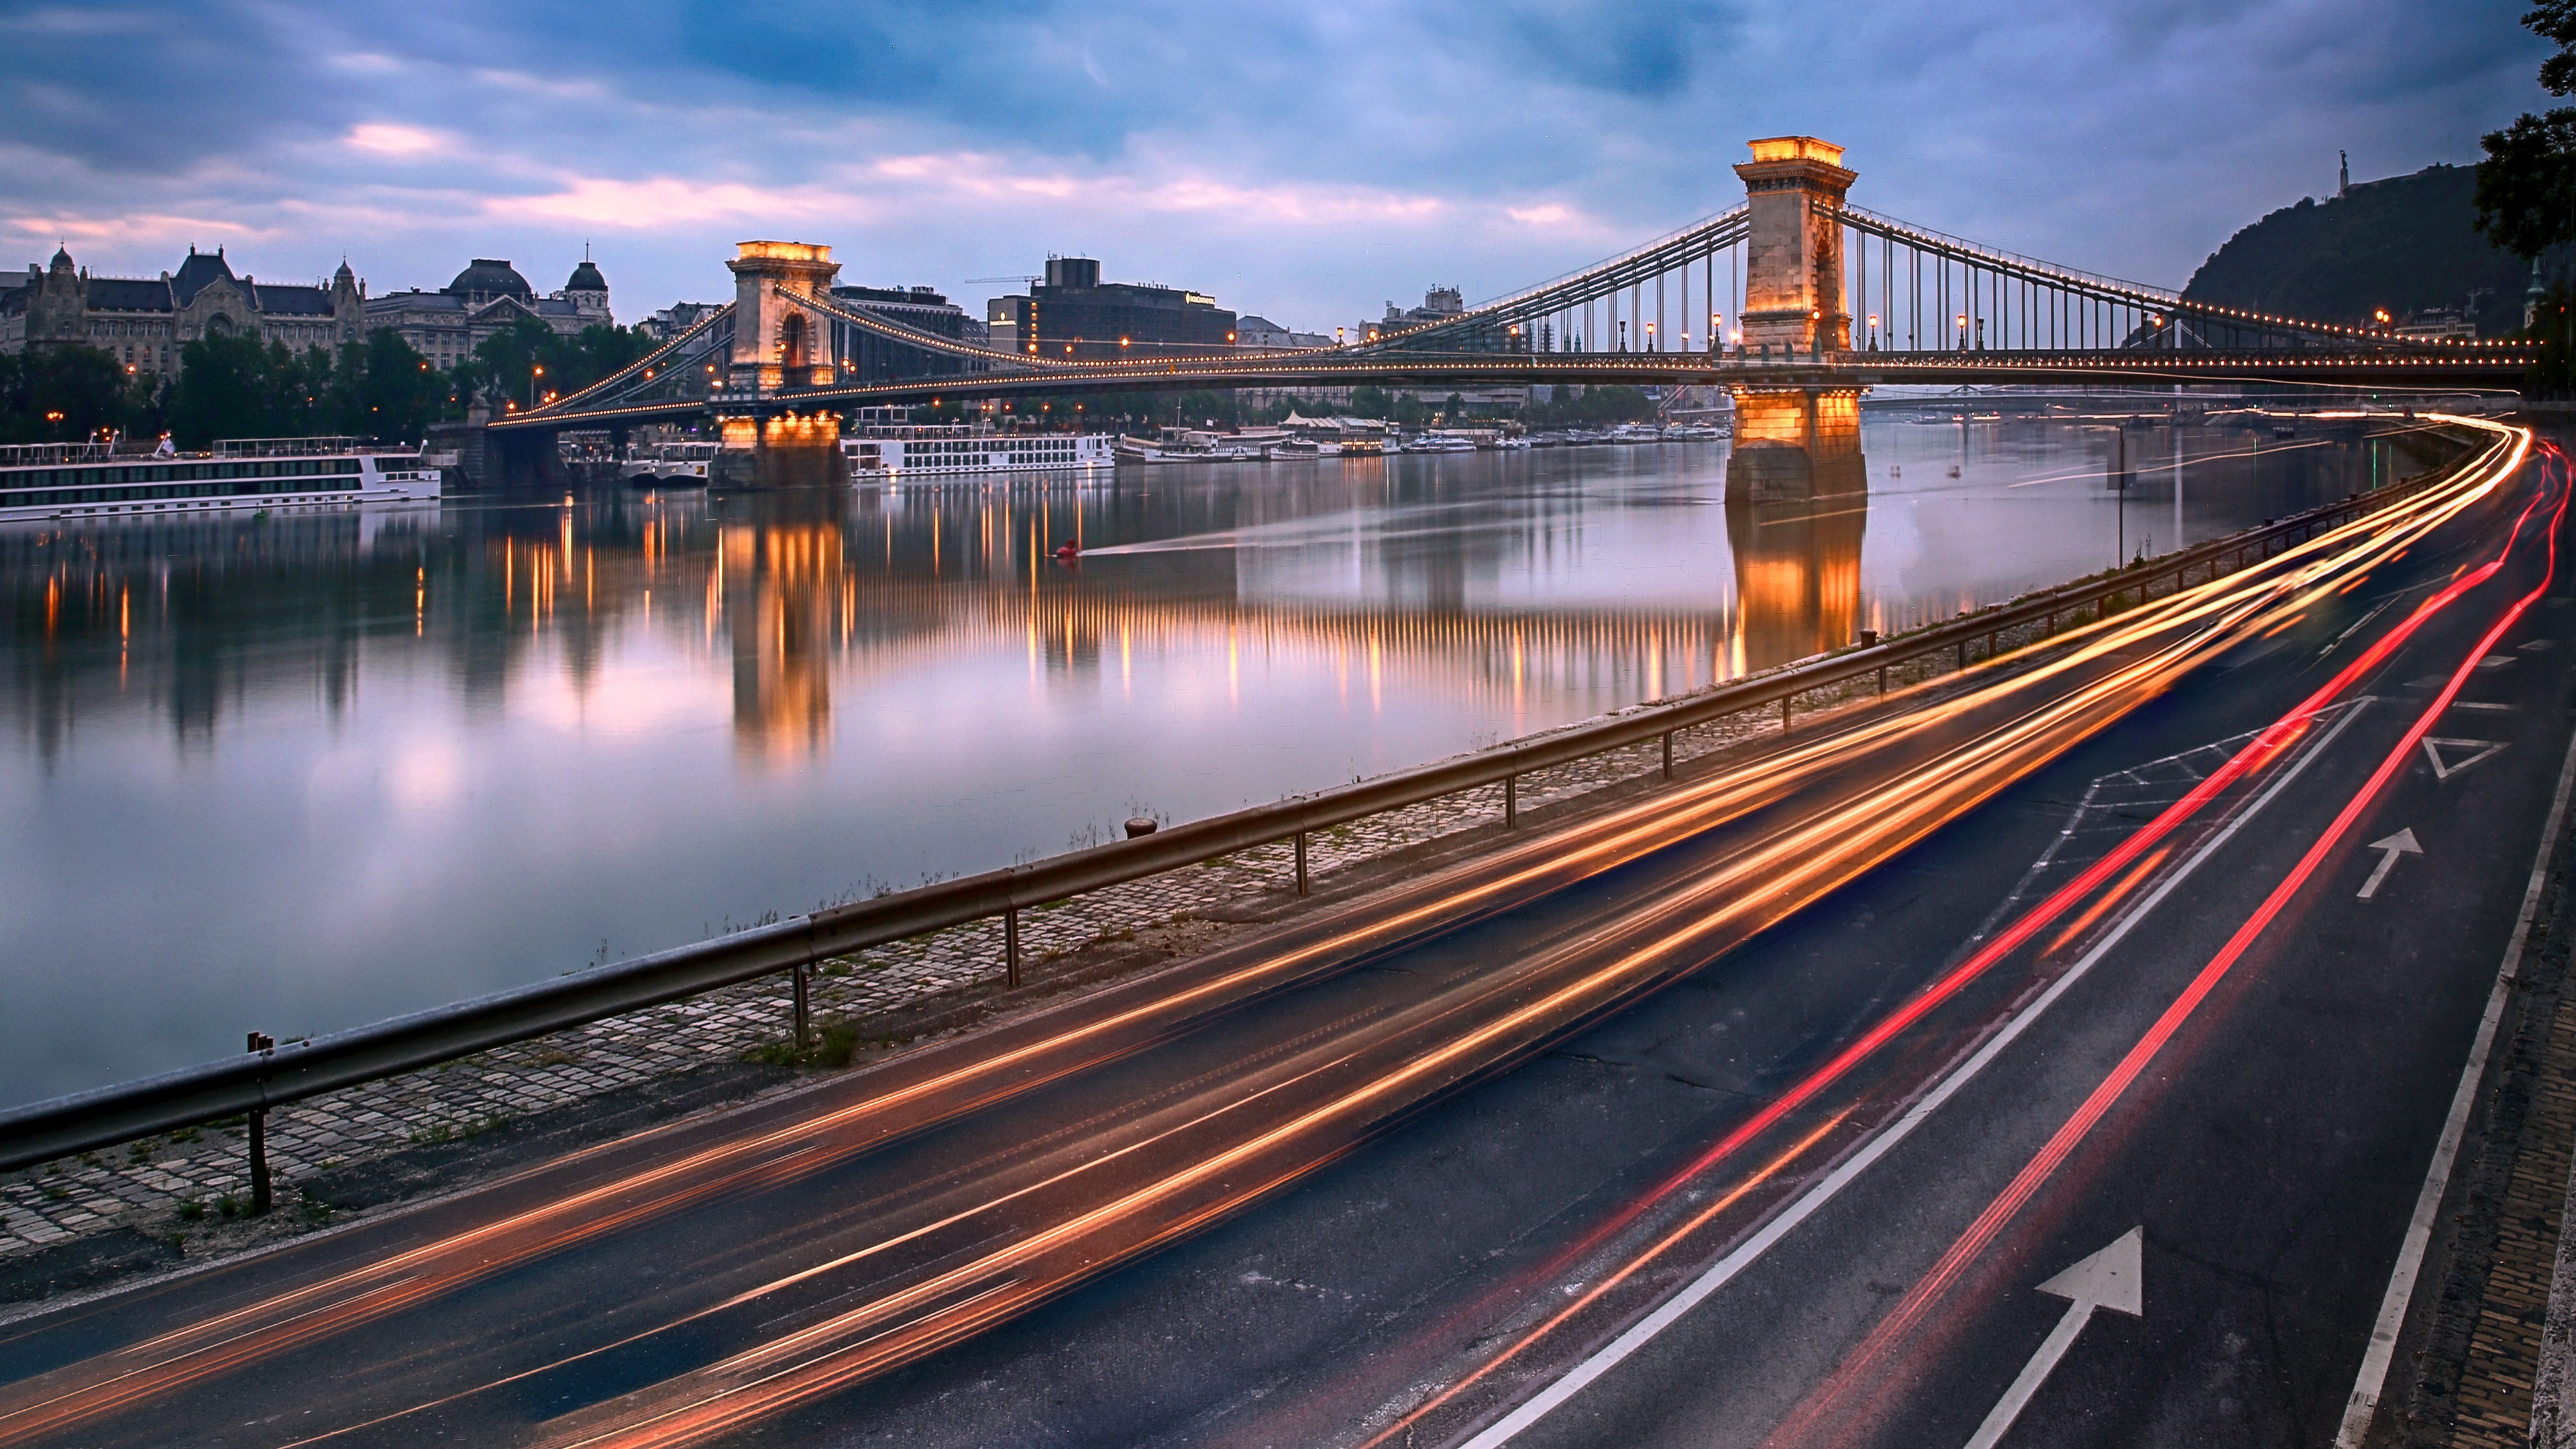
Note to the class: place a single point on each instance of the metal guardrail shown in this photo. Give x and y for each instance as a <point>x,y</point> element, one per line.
<point>279,1074</point>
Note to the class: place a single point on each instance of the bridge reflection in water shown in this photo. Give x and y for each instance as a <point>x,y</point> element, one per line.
<point>636,715</point>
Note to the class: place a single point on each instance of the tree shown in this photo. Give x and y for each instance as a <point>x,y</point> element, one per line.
<point>2527,183</point>
<point>62,395</point>
<point>228,388</point>
<point>383,389</point>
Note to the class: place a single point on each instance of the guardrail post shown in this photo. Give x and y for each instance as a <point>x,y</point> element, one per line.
<point>1990,642</point>
<point>1784,714</point>
<point>1963,656</point>
<point>1668,754</point>
<point>802,1035</point>
<point>1882,681</point>
<point>1301,862</point>
<point>263,1044</point>
<point>1011,947</point>
<point>1511,802</point>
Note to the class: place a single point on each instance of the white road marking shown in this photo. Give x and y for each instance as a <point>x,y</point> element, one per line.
<point>2111,1278</point>
<point>2356,626</point>
<point>2402,843</point>
<point>2478,704</point>
<point>1538,1406</point>
<point>2537,646</point>
<point>2373,1378</point>
<point>2496,661</point>
<point>2486,749</point>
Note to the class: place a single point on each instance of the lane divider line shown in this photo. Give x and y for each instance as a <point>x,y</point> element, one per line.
<point>1538,1406</point>
<point>1990,1223</point>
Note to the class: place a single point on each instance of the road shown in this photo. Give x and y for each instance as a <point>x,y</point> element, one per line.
<point>1604,1136</point>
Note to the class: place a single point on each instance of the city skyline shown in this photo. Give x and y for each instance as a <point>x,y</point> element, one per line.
<point>1304,165</point>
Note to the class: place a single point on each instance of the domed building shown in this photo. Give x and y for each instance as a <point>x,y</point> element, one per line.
<point>445,326</point>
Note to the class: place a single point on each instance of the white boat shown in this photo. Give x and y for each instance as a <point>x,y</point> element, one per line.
<point>1306,448</point>
<point>671,465</point>
<point>82,480</point>
<point>1145,450</point>
<point>890,452</point>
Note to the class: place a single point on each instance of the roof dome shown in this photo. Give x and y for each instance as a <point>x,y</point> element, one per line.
<point>491,277</point>
<point>586,278</point>
<point>62,259</point>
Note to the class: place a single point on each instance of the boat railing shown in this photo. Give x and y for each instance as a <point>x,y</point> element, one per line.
<point>284,447</point>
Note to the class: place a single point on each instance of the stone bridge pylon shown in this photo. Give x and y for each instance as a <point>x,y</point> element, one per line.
<point>779,345</point>
<point>1795,443</point>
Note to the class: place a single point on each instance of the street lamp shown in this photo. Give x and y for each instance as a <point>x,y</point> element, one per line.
<point>532,383</point>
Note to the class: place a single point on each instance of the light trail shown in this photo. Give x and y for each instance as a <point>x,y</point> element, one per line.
<point>1862,1365</point>
<point>1797,866</point>
<point>1448,1041</point>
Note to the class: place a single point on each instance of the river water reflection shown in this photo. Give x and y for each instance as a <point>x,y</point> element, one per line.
<point>303,772</point>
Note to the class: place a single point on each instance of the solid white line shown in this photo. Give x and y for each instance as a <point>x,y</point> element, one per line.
<point>2373,1379</point>
<point>2033,1374</point>
<point>1644,1330</point>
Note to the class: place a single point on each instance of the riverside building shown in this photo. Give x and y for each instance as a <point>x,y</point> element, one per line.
<point>487,297</point>
<point>143,322</point>
<point>1075,314</point>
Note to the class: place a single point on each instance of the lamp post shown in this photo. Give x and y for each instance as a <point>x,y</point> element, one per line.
<point>539,372</point>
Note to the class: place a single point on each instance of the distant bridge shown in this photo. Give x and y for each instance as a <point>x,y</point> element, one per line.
<point>1819,298</point>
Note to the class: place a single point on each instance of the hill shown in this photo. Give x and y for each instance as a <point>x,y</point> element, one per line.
<point>2406,244</point>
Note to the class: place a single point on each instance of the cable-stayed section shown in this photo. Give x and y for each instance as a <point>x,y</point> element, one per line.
<point>1558,315</point>
<point>1915,289</point>
<point>676,371</point>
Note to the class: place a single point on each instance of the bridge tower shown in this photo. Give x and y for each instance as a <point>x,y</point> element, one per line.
<point>1794,444</point>
<point>1793,250</point>
<point>777,344</point>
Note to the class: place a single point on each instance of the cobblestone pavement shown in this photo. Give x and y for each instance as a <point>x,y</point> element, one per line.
<point>2465,1368</point>
<point>171,1184</point>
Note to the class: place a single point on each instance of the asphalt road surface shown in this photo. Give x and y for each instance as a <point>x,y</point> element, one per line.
<point>1754,1111</point>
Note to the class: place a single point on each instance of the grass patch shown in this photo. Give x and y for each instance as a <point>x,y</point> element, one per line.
<point>833,1046</point>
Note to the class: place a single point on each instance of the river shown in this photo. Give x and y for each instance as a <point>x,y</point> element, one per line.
<point>298,773</point>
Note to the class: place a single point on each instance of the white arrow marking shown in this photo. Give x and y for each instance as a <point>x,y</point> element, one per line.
<point>2402,843</point>
<point>2108,1279</point>
<point>2441,771</point>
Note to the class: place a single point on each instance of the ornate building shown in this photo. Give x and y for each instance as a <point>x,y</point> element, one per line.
<point>143,323</point>
<point>444,326</point>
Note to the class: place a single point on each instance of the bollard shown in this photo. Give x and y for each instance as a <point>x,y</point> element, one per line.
<point>1301,862</point>
<point>802,1034</point>
<point>263,1044</point>
<point>1011,947</point>
<point>1140,825</point>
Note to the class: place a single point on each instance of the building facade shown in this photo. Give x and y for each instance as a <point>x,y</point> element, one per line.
<point>144,323</point>
<point>1075,314</point>
<point>487,297</point>
<point>869,357</point>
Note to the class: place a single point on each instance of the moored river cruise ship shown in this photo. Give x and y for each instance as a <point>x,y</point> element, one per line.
<point>84,480</point>
<point>889,452</point>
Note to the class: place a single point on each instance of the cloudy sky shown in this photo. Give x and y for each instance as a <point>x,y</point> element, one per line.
<point>1307,161</point>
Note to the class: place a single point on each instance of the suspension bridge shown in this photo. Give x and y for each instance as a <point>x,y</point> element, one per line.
<point>1795,301</point>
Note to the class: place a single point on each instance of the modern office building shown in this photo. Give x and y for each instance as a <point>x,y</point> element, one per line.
<point>1075,314</point>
